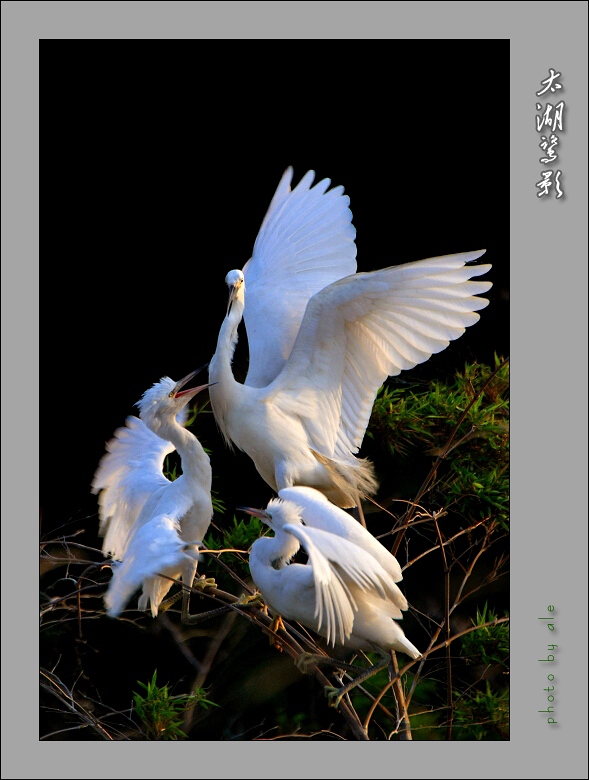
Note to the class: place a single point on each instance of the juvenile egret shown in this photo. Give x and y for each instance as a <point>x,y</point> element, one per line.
<point>343,592</point>
<point>143,514</point>
<point>322,339</point>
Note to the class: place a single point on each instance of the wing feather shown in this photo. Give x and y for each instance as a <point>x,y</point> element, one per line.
<point>153,548</point>
<point>306,242</point>
<point>318,512</point>
<point>363,328</point>
<point>126,478</point>
<point>337,562</point>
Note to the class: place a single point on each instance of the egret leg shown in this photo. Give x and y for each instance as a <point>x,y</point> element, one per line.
<point>358,514</point>
<point>200,583</point>
<point>170,601</point>
<point>186,616</point>
<point>246,600</point>
<point>306,659</point>
<point>335,695</point>
<point>357,511</point>
<point>191,620</point>
<point>208,582</point>
<point>275,626</point>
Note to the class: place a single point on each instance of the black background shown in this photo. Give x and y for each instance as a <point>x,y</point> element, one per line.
<point>158,161</point>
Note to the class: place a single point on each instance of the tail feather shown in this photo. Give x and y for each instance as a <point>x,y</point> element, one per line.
<point>350,478</point>
<point>402,644</point>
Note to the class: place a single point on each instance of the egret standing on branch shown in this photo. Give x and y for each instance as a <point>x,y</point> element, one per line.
<point>347,590</point>
<point>322,340</point>
<point>149,522</point>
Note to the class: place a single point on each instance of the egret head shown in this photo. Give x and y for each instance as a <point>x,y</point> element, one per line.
<point>235,282</point>
<point>277,514</point>
<point>166,399</point>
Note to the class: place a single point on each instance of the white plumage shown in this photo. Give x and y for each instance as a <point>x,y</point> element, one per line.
<point>154,548</point>
<point>322,339</point>
<point>305,242</point>
<point>346,591</point>
<point>142,513</point>
<point>318,512</point>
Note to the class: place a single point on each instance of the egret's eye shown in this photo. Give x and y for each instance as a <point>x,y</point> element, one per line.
<point>172,394</point>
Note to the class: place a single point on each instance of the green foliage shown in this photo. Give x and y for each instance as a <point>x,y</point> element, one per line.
<point>488,645</point>
<point>482,715</point>
<point>462,424</point>
<point>196,411</point>
<point>466,422</point>
<point>218,503</point>
<point>171,469</point>
<point>238,536</point>
<point>475,477</point>
<point>477,714</point>
<point>161,713</point>
<point>398,418</point>
<point>243,533</point>
<point>406,417</point>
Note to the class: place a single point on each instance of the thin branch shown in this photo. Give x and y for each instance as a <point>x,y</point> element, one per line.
<point>59,690</point>
<point>430,650</point>
<point>444,544</point>
<point>405,723</point>
<point>285,639</point>
<point>447,621</point>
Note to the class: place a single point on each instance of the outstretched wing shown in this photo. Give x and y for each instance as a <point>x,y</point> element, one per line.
<point>336,563</point>
<point>153,548</point>
<point>305,243</point>
<point>127,476</point>
<point>366,327</point>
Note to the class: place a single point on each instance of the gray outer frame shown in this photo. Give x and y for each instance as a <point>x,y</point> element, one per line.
<point>548,336</point>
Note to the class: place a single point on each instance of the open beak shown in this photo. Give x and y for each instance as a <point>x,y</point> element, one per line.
<point>264,516</point>
<point>188,394</point>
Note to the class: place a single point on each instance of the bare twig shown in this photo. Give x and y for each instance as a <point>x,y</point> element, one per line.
<point>424,655</point>
<point>56,688</point>
<point>405,723</point>
<point>447,621</point>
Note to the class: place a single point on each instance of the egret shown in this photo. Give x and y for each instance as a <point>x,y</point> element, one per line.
<point>346,591</point>
<point>148,521</point>
<point>322,339</point>
<point>343,592</point>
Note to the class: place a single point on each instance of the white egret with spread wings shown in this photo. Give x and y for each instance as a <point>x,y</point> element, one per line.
<point>149,522</point>
<point>322,339</point>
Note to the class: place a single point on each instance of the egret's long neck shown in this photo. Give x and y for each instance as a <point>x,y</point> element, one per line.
<point>225,393</point>
<point>276,552</point>
<point>195,461</point>
<point>268,558</point>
